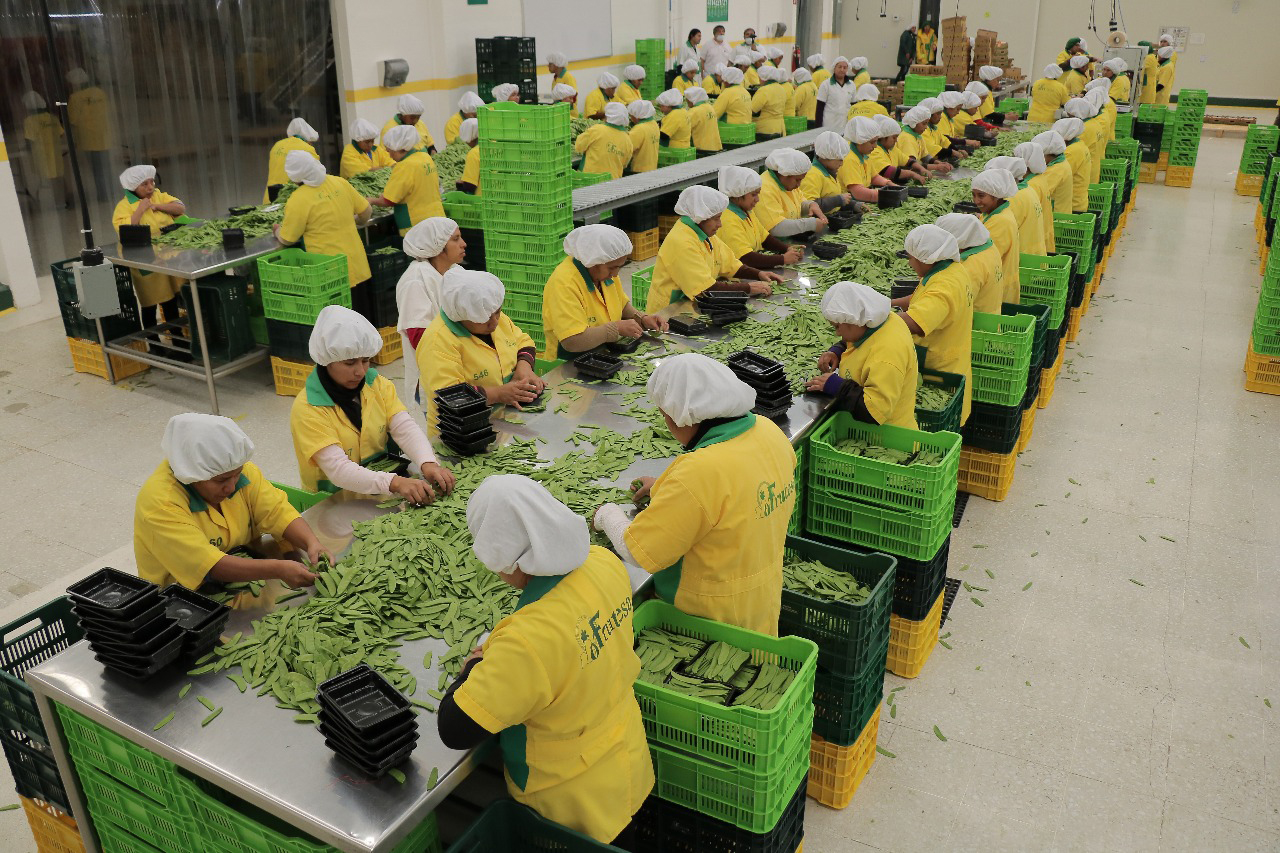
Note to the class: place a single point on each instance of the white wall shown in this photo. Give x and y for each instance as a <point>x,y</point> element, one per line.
<point>16,268</point>
<point>864,33</point>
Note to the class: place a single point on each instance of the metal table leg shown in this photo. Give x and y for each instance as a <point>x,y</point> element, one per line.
<point>53,727</point>
<point>198,322</point>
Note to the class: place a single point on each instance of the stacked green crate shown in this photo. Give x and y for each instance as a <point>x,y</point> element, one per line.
<point>651,55</point>
<point>1100,196</point>
<point>1266,320</point>
<point>1129,150</point>
<point>1073,232</point>
<point>920,86</point>
<point>1183,126</point>
<point>528,201</point>
<point>1261,140</point>
<point>1124,125</point>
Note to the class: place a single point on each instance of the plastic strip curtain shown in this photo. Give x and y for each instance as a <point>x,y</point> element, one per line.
<point>201,89</point>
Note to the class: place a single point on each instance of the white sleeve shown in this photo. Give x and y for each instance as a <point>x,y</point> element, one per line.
<point>345,474</point>
<point>823,91</point>
<point>411,439</point>
<point>613,522</point>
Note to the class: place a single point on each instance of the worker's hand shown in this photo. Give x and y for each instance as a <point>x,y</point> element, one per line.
<point>653,322</point>
<point>145,204</point>
<point>759,288</point>
<point>629,328</point>
<point>416,492</point>
<point>641,491</point>
<point>315,550</point>
<point>771,276</point>
<point>434,472</point>
<point>514,393</point>
<point>827,361</point>
<point>820,227</point>
<point>845,199</point>
<point>793,255</point>
<point>818,383</point>
<point>476,654</point>
<point>524,371</point>
<point>293,574</point>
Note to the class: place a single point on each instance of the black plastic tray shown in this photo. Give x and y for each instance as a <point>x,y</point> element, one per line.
<point>903,287</point>
<point>747,363</point>
<point>775,387</point>
<point>93,619</point>
<point>364,699</point>
<point>401,726</point>
<point>624,345</point>
<point>376,771</point>
<point>471,449</point>
<point>841,219</point>
<point>687,325</point>
<point>722,297</point>
<point>133,647</point>
<point>111,591</point>
<point>774,413</point>
<point>829,251</point>
<point>371,752</point>
<point>774,399</point>
<point>453,437</point>
<point>965,207</point>
<point>724,318</point>
<point>449,422</point>
<point>135,236</point>
<point>975,131</point>
<point>917,192</point>
<point>191,610</point>
<point>461,399</point>
<point>144,667</point>
<point>597,365</point>
<point>891,197</point>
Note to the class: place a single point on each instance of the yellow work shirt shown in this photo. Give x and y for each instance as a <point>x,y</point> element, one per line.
<point>1029,214</point>
<point>714,530</point>
<point>704,130</point>
<point>1003,225</point>
<point>1109,113</point>
<point>324,217</point>
<point>877,161</point>
<point>1073,81</point>
<point>751,77</point>
<point>595,104</point>
<point>1149,74</point>
<point>414,189</point>
<point>819,183</point>
<point>688,263</point>
<point>357,162</point>
<point>605,148</point>
<point>625,94</point>
<point>1040,183</point>
<point>818,75</point>
<point>862,78</point>
<point>807,100</point>
<point>883,362</point>
<point>572,303</point>
<point>911,144</point>
<point>988,105</point>
<point>179,538</point>
<point>897,157</point>
<point>1047,97</point>
<point>986,276</point>
<point>1164,77</point>
<point>854,171</point>
<point>961,120</point>
<point>867,109</point>
<point>1094,133</point>
<point>452,126</point>
<point>556,684</point>
<point>711,86</point>
<point>1120,89</point>
<point>423,133</point>
<point>316,422</point>
<point>675,125</point>
<point>275,161</point>
<point>87,110</point>
<point>685,81</point>
<point>935,140</point>
<point>942,306</point>
<point>1061,184</point>
<point>767,107</point>
<point>471,168</point>
<point>448,354</point>
<point>789,105</point>
<point>776,203</point>
<point>152,288</point>
<point>733,105</point>
<point>1080,157</point>
<point>645,136</point>
<point>566,78</point>
<point>44,133</point>
<point>741,231</point>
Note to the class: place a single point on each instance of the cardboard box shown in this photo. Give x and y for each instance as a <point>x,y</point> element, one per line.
<point>928,70</point>
<point>986,35</point>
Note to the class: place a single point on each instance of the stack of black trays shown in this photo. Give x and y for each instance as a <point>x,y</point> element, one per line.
<point>462,415</point>
<point>366,721</point>
<point>201,619</point>
<point>124,620</point>
<point>722,307</point>
<point>768,378</point>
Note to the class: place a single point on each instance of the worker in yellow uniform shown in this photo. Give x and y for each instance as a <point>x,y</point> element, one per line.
<point>768,105</point>
<point>363,154</point>
<point>1058,172</point>
<point>713,533</point>
<point>645,136</point>
<point>980,259</point>
<point>1075,76</point>
<point>1081,160</point>
<point>733,106</point>
<point>992,190</point>
<point>563,93</point>
<point>704,130</point>
<point>855,174</point>
<point>1024,204</point>
<point>44,134</point>
<point>1164,74</point>
<point>1048,95</point>
<point>471,340</point>
<point>712,82</point>
<point>346,413</point>
<point>607,146</point>
<point>413,190</point>
<point>205,500</point>
<point>901,166</point>
<point>937,135</point>
<point>583,304</point>
<point>917,145</point>
<point>693,259</point>
<point>632,79</point>
<point>1116,70</point>
<point>970,111</point>
<point>1096,93</point>
<point>468,106</point>
<point>749,64</point>
<point>324,211</point>
<point>606,87</point>
<point>1150,71</point>
<point>554,679</point>
<point>689,76</point>
<point>742,231</point>
<point>926,45</point>
<point>88,112</point>
<point>674,130</point>
<point>469,134</point>
<point>866,102</point>
<point>409,112</point>
<point>988,76</point>
<point>1032,154</point>
<point>939,312</point>
<point>949,132</point>
<point>1091,135</point>
<point>816,65</point>
<point>789,89</point>
<point>820,184</point>
<point>783,210</point>
<point>300,136</point>
<point>558,68</point>
<point>871,371</point>
<point>505,92</point>
<point>144,204</point>
<point>806,96</point>
<point>858,68</point>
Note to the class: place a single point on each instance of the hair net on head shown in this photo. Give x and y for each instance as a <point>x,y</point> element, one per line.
<point>689,66</point>
<point>1079,61</point>
<point>363,129</point>
<point>1097,99</point>
<point>515,522</point>
<point>757,56</point>
<point>742,59</point>
<point>717,69</point>
<point>1116,65</point>
<point>302,168</point>
<point>700,203</point>
<point>607,81</point>
<point>640,109</point>
<point>858,63</point>
<point>1053,72</point>
<point>201,447</point>
<point>971,101</point>
<point>1165,52</point>
<point>1013,165</point>
<point>915,115</point>
<point>830,146</point>
<point>840,59</point>
<point>470,295</point>
<point>851,302</point>
<point>815,60</point>
<point>967,229</point>
<point>616,114</point>
<point>670,98</point>
<point>504,91</point>
<point>736,181</point>
<point>989,72</point>
<point>930,244</point>
<point>887,126</point>
<point>1084,45</point>
<point>768,73</point>
<point>861,129</point>
<point>952,100</point>
<point>867,92</point>
<point>1102,83</point>
<point>933,105</point>
<point>402,137</point>
<point>692,388</point>
<point>134,175</point>
<point>1051,141</point>
<point>731,76</point>
<point>695,95</point>
<point>469,130</point>
<point>801,75</point>
<point>633,72</point>
<point>555,57</point>
<point>773,52</point>
<point>33,101</point>
<point>787,162</point>
<point>1068,128</point>
<point>428,238</point>
<point>563,91</point>
<point>979,89</point>
<point>1032,153</point>
<point>340,334</point>
<point>408,105</point>
<point>597,244</point>
<point>995,182</point>
<point>1166,39</point>
<point>470,102</point>
<point>77,77</point>
<point>299,127</point>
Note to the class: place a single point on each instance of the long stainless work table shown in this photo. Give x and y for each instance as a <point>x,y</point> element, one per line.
<point>255,750</point>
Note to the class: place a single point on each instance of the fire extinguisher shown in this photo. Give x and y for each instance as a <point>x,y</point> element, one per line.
<point>795,58</point>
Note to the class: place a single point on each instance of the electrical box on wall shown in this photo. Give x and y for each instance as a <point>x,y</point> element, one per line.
<point>394,73</point>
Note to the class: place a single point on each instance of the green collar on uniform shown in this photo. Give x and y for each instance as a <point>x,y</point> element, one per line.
<point>776,179</point>
<point>742,214</point>
<point>133,199</point>
<point>586,276</point>
<point>300,139</point>
<point>317,396</point>
<point>937,268</point>
<point>912,131</point>
<point>871,331</point>
<point>538,586</point>
<point>1055,160</point>
<point>1071,142</point>
<point>454,326</point>
<point>400,120</point>
<point>726,431</point>
<point>862,158</point>
<point>1022,184</point>
<point>975,250</point>
<point>1000,208</point>
<point>702,235</point>
<point>822,170</point>
<point>195,503</point>
<point>561,73</point>
<point>766,83</point>
<point>614,127</point>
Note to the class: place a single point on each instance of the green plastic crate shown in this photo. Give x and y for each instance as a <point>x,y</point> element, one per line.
<point>512,122</point>
<point>164,826</point>
<point>1100,196</point>
<point>1266,338</point>
<point>95,746</point>
<point>1073,231</point>
<point>1115,170</point>
<point>587,179</point>
<point>735,736</point>
<point>291,308</point>
<point>299,273</point>
<point>544,188</point>
<point>524,156</point>
<point>947,420</point>
<point>795,124</point>
<point>640,281</point>
<point>1002,344</point>
<point>534,219</point>
<point>1014,105</point>
<point>670,156</point>
<point>113,839</point>
<point>998,388</point>
<point>796,526</point>
<point>514,828</point>
<point>737,134</point>
<point>463,208</point>
<point>25,642</point>
<point>541,250</point>
<point>911,488</point>
<point>1124,125</point>
<point>300,499</point>
<point>1046,280</point>
<point>524,279</point>
<point>915,536</point>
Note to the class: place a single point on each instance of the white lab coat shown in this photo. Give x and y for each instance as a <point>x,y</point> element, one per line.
<point>417,302</point>
<point>838,100</point>
<point>714,53</point>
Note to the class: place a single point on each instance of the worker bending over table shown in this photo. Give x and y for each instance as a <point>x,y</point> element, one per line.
<point>363,154</point>
<point>468,105</point>
<point>413,190</point>
<point>992,189</point>
<point>409,112</point>
<point>606,147</point>
<point>742,230</point>
<point>820,184</point>
<point>299,136</point>
<point>784,211</point>
<point>980,259</point>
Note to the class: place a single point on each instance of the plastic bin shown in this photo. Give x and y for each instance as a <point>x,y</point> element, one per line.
<point>513,828</point>
<point>644,244</point>
<point>392,345</point>
<point>1046,280</point>
<point>1002,343</point>
<point>86,357</point>
<point>300,273</point>
<point>835,772</point>
<point>224,308</point>
<point>913,535</point>
<point>948,419</point>
<point>986,474</point>
<point>842,706</point>
<point>918,582</point>
<point>79,326</point>
<point>293,308</point>
<point>290,376</point>
<point>290,341</point>
<point>640,280</point>
<point>670,156</point>
<point>54,830</point>
<point>737,134</point>
<point>524,122</point>
<point>25,642</point>
<point>993,428</point>
<point>300,499</point>
<point>911,642</point>
<point>662,827</point>
<point>545,250</point>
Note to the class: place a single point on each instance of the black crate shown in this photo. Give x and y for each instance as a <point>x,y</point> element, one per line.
<point>664,827</point>
<point>1033,386</point>
<point>35,773</point>
<point>640,216</point>
<point>842,707</point>
<point>515,67</point>
<point>224,308</point>
<point>382,308</point>
<point>993,428</point>
<point>918,583</point>
<point>385,269</point>
<point>79,326</point>
<point>474,238</point>
<point>289,341</point>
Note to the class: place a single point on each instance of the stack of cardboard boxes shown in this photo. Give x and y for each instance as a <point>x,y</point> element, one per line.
<point>955,50</point>
<point>984,48</point>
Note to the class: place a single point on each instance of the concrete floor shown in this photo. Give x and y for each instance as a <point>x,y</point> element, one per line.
<point>1088,712</point>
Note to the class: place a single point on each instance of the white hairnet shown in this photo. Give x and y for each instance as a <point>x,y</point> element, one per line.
<point>773,52</point>
<point>1165,52</point>
<point>989,72</point>
<point>995,182</point>
<point>867,92</point>
<point>731,76</point>
<point>516,522</point>
<point>640,109</point>
<point>607,81</point>
<point>363,129</point>
<point>851,302</point>
<point>302,168</point>
<point>971,101</point>
<point>1079,61</point>
<point>952,100</point>
<point>33,101</point>
<point>77,77</point>
<point>830,146</point>
<point>504,91</point>
<point>689,66</point>
<point>616,114</point>
<point>340,334</point>
<point>695,94</point>
<point>861,129</point>
<point>633,72</point>
<point>555,57</point>
<point>887,126</point>
<point>1051,141</point>
<point>742,59</point>
<point>1084,45</point>
<point>933,105</point>
<point>1053,72</point>
<point>736,181</point>
<point>1032,153</point>
<point>402,137</point>
<point>717,69</point>
<point>815,60</point>
<point>134,175</point>
<point>1103,83</point>
<point>915,115</point>
<point>408,105</point>
<point>428,238</point>
<point>470,102</point>
<point>1068,128</point>
<point>671,98</point>
<point>1013,165</point>
<point>597,244</point>
<point>757,56</point>
<point>469,130</point>
<point>840,59</point>
<point>1116,65</point>
<point>787,162</point>
<point>966,228</point>
<point>562,91</point>
<point>201,447</point>
<point>858,63</point>
<point>470,295</point>
<point>979,89</point>
<point>930,244</point>
<point>768,73</point>
<point>299,127</point>
<point>692,388</point>
<point>700,203</point>
<point>1166,39</point>
<point>801,75</point>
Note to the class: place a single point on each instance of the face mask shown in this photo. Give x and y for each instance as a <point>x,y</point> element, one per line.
<point>720,37</point>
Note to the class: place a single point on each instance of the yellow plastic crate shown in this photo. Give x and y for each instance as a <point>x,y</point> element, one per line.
<point>290,376</point>
<point>1024,436</point>
<point>644,244</point>
<point>911,641</point>
<point>1073,323</point>
<point>1261,372</point>
<point>392,345</point>
<point>1047,379</point>
<point>985,474</point>
<point>1249,185</point>
<point>55,831</point>
<point>1179,176</point>
<point>1163,162</point>
<point>86,357</point>
<point>1147,173</point>
<point>665,224</point>
<point>835,772</point>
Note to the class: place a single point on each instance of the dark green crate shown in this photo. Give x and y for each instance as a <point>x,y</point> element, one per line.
<point>25,642</point>
<point>842,707</point>
<point>947,420</point>
<point>34,769</point>
<point>76,324</point>
<point>224,307</point>
<point>514,828</point>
